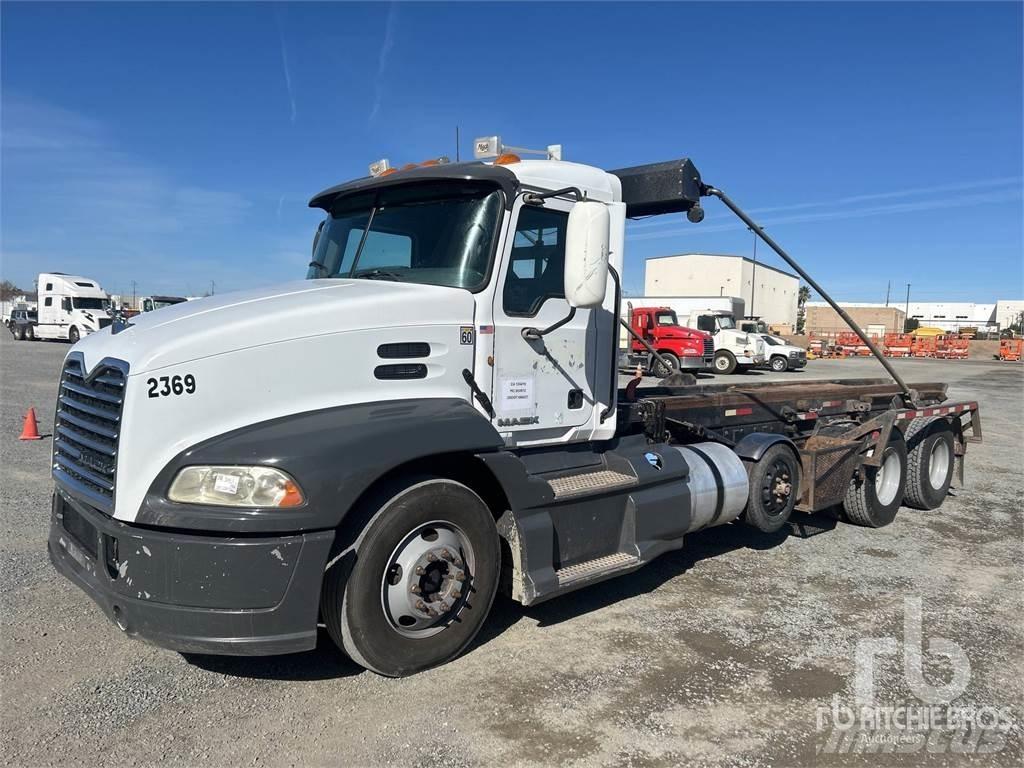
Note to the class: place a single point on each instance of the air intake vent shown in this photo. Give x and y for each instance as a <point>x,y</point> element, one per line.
<point>87,428</point>
<point>401,371</point>
<point>404,350</point>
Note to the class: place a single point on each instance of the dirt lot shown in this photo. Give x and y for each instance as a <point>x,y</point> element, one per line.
<point>721,654</point>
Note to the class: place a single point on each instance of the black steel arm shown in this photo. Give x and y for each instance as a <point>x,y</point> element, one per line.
<point>908,394</point>
<point>532,334</point>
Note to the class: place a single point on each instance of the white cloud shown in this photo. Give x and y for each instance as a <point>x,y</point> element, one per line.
<point>382,60</point>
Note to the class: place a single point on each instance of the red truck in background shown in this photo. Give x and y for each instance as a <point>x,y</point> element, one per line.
<point>686,349</point>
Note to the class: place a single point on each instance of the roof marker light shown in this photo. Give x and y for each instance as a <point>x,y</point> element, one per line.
<point>487,147</point>
<point>378,168</point>
<point>506,158</point>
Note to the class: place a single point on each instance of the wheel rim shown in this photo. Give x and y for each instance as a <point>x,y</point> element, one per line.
<point>779,365</point>
<point>938,464</point>
<point>776,488</point>
<point>721,363</point>
<point>427,579</point>
<point>887,478</point>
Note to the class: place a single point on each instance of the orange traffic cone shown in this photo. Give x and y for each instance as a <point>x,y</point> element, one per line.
<point>30,430</point>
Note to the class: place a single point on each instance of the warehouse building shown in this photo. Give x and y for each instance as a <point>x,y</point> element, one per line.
<point>770,293</point>
<point>876,319</point>
<point>950,316</point>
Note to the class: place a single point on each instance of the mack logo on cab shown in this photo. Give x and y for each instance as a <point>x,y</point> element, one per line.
<point>519,421</point>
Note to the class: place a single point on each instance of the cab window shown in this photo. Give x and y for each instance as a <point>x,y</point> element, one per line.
<point>537,269</point>
<point>706,323</point>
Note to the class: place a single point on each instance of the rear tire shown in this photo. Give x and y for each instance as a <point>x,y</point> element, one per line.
<point>659,368</point>
<point>19,333</point>
<point>779,364</point>
<point>875,493</point>
<point>929,463</point>
<point>774,489</point>
<point>73,335</point>
<point>398,612</point>
<point>724,363</point>
<point>30,333</point>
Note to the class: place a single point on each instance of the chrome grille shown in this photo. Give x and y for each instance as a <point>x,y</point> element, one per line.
<point>86,430</point>
<point>709,347</point>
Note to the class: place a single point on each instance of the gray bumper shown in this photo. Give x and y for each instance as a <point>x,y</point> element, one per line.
<point>194,594</point>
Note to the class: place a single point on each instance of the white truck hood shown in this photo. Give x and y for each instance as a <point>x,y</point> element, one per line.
<point>301,309</point>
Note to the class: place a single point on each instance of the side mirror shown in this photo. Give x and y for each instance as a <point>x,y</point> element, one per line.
<point>586,254</point>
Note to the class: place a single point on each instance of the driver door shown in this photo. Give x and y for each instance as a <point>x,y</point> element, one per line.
<point>542,388</point>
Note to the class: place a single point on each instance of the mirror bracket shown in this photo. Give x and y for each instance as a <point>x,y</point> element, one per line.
<point>534,334</point>
<point>538,198</point>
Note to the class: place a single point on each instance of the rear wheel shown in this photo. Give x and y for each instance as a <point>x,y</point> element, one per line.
<point>725,363</point>
<point>779,364</point>
<point>73,335</point>
<point>875,493</point>
<point>19,332</point>
<point>425,574</point>
<point>660,370</point>
<point>929,463</point>
<point>30,333</point>
<point>774,489</point>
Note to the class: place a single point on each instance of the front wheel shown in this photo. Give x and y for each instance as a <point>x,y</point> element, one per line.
<point>425,574</point>
<point>725,363</point>
<point>30,333</point>
<point>779,364</point>
<point>73,335</point>
<point>875,493</point>
<point>661,370</point>
<point>19,332</point>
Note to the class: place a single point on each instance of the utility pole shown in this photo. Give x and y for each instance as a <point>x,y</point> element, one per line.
<point>906,312</point>
<point>212,286</point>
<point>888,287</point>
<point>753,275</point>
<point>456,143</point>
<point>135,304</point>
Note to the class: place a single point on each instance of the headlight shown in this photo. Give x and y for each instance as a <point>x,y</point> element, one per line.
<point>236,487</point>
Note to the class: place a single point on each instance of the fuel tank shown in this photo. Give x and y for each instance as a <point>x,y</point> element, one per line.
<point>718,484</point>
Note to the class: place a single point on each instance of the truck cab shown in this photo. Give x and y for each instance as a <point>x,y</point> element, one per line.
<point>431,415</point>
<point>735,350</point>
<point>70,307</point>
<point>781,356</point>
<point>685,349</point>
<point>151,303</point>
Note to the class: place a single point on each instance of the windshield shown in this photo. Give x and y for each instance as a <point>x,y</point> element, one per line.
<point>438,234</point>
<point>161,303</point>
<point>772,341</point>
<point>725,322</point>
<point>667,318</point>
<point>79,302</point>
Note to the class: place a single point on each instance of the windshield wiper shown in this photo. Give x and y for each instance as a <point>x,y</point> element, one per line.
<point>318,265</point>
<point>377,274</point>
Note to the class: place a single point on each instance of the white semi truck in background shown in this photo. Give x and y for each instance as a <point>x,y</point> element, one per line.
<point>433,415</point>
<point>70,307</point>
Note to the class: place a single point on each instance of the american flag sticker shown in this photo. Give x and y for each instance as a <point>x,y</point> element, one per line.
<point>486,329</point>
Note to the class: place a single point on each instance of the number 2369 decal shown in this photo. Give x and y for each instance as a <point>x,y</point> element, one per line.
<point>172,385</point>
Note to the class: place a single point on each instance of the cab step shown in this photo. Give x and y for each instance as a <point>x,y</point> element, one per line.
<point>589,482</point>
<point>599,567</point>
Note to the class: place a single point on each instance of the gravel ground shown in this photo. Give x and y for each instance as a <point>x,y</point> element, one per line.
<point>721,654</point>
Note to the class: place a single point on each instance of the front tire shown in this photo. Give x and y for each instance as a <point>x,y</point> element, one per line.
<point>660,369</point>
<point>779,364</point>
<point>425,574</point>
<point>19,333</point>
<point>725,363</point>
<point>875,493</point>
<point>929,463</point>
<point>30,333</point>
<point>73,335</point>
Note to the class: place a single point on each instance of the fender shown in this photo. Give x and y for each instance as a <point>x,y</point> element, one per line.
<point>753,446</point>
<point>334,454</point>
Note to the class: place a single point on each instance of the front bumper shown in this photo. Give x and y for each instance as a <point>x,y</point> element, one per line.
<point>797,362</point>
<point>194,594</point>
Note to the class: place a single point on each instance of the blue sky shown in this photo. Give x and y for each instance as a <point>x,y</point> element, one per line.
<point>178,144</point>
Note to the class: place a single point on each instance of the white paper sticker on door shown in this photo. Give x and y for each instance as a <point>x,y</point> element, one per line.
<point>517,393</point>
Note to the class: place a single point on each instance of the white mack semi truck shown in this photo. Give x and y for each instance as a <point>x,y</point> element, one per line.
<point>433,415</point>
<point>70,307</point>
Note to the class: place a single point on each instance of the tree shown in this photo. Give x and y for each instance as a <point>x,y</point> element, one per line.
<point>911,325</point>
<point>9,290</point>
<point>802,297</point>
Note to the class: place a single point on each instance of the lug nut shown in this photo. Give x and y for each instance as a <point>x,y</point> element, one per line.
<point>419,570</point>
<point>431,557</point>
<point>456,595</point>
<point>460,576</point>
<point>421,606</point>
<point>447,555</point>
<point>415,589</point>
